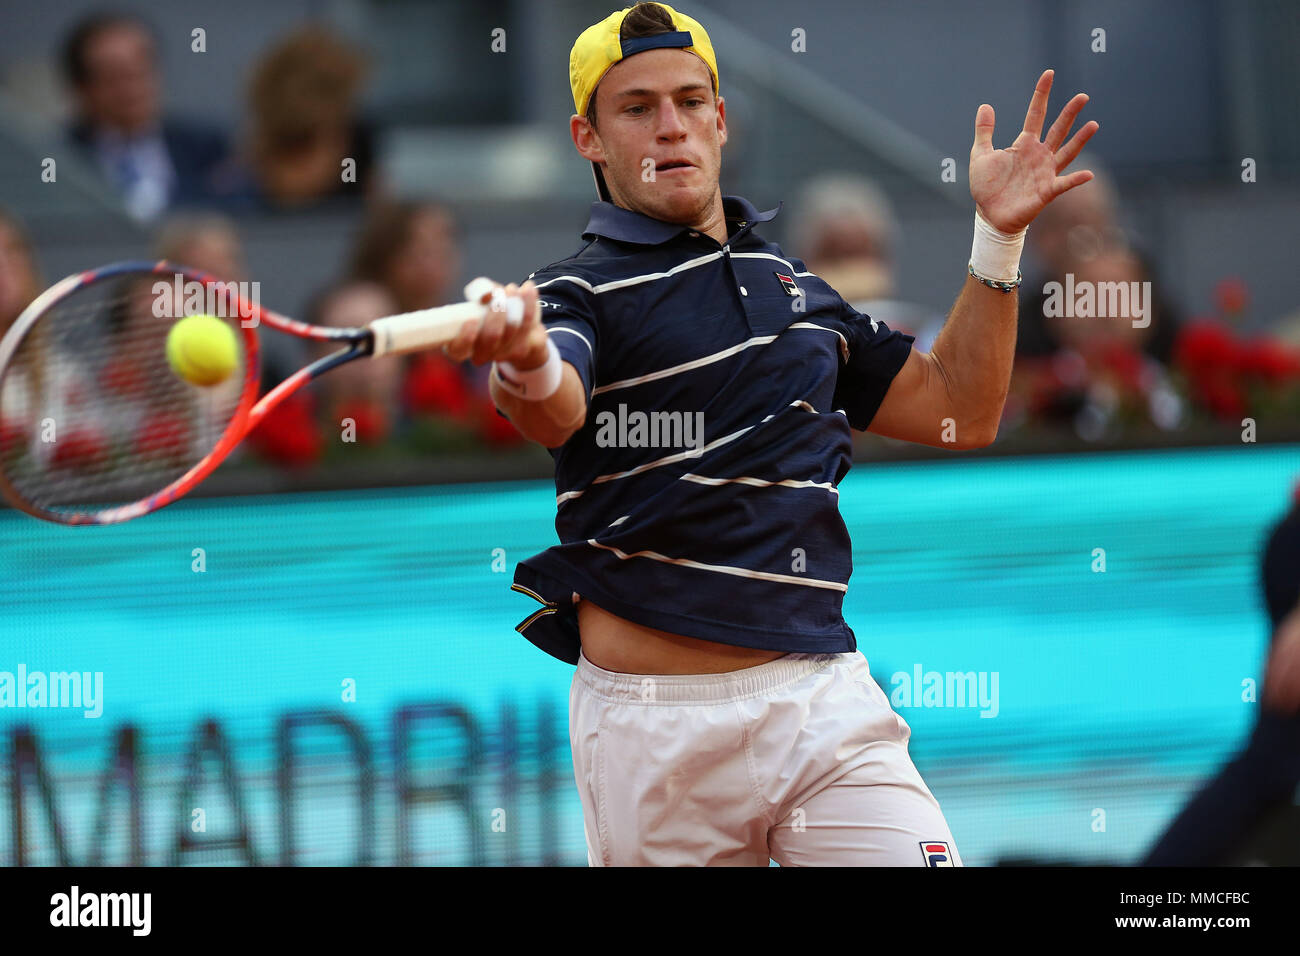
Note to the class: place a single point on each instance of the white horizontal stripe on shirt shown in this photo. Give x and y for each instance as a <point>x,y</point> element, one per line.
<point>715,357</point>
<point>679,456</point>
<point>725,569</point>
<point>760,483</point>
<point>633,280</point>
<point>658,462</point>
<point>614,284</point>
<point>560,328</point>
<point>686,366</point>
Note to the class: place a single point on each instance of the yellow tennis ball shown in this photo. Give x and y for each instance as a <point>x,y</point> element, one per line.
<point>202,349</point>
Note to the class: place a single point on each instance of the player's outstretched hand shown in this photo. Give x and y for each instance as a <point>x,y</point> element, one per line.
<point>512,330</point>
<point>1011,186</point>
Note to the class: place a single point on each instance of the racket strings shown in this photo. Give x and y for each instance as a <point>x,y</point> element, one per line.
<point>92,415</point>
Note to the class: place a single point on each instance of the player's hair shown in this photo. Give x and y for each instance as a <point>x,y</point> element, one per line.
<point>643,20</point>
<point>75,47</point>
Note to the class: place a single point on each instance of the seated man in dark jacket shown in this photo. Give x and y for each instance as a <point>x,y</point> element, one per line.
<point>152,163</point>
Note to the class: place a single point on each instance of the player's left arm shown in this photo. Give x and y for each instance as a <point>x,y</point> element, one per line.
<point>953,396</point>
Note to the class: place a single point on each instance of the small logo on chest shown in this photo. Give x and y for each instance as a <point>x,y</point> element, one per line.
<point>788,283</point>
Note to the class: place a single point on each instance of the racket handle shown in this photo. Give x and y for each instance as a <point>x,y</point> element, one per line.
<point>427,328</point>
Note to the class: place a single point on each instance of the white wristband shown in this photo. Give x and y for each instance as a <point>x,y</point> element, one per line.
<point>994,254</point>
<point>536,384</point>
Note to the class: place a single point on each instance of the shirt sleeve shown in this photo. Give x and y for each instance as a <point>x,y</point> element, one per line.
<point>876,353</point>
<point>570,321</point>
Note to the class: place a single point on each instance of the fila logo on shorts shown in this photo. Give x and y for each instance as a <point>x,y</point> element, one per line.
<point>936,854</point>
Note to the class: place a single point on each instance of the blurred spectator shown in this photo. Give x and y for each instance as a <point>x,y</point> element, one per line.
<point>1215,825</point>
<point>19,285</point>
<point>845,232</point>
<point>368,393</point>
<point>209,242</point>
<point>153,163</point>
<point>1094,374</point>
<point>410,249</point>
<point>306,142</point>
<point>363,394</point>
<point>19,280</point>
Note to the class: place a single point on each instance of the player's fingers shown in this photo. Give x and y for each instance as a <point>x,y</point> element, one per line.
<point>494,324</point>
<point>523,304</point>
<point>984,118</point>
<point>1038,104</point>
<point>532,314</point>
<point>1066,154</point>
<point>1064,184</point>
<point>1061,128</point>
<point>479,289</point>
<point>459,348</point>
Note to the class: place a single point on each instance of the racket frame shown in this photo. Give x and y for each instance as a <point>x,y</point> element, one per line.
<point>249,411</point>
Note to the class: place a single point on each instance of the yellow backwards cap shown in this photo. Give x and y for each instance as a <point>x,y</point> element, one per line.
<point>600,47</point>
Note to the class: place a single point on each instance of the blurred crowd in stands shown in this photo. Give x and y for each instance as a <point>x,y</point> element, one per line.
<point>305,145</point>
<point>1142,367</point>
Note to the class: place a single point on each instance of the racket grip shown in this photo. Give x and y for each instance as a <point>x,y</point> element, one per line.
<point>427,328</point>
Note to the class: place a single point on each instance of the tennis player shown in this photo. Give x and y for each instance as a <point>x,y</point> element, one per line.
<point>696,387</point>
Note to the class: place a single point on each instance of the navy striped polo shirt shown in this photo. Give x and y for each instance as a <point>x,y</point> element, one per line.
<point>700,496</point>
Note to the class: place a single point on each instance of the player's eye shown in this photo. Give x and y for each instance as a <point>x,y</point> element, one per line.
<point>695,101</point>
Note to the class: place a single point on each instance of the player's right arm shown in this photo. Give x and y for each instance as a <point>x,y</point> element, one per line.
<point>551,421</point>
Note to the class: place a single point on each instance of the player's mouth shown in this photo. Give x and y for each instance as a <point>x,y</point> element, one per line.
<point>674,165</point>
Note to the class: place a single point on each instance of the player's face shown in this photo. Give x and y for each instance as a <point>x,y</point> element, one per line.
<point>660,135</point>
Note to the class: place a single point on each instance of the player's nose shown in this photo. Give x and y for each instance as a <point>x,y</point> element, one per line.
<point>671,124</point>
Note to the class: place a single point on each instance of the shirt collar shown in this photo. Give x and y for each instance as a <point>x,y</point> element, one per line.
<point>615,222</point>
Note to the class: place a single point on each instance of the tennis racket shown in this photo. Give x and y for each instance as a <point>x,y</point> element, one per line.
<point>95,426</point>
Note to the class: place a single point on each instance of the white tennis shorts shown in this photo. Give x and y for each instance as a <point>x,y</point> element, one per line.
<point>800,760</point>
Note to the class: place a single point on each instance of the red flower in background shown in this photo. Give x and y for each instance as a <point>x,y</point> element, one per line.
<point>1204,345</point>
<point>123,377</point>
<point>371,420</point>
<point>290,434</point>
<point>1209,355</point>
<point>81,449</point>
<point>1128,365</point>
<point>1223,398</point>
<point>1231,296</point>
<point>162,435</point>
<point>1269,361</point>
<point>12,436</point>
<point>434,385</point>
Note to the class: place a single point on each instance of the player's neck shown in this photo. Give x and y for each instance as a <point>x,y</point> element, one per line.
<point>715,223</point>
<point>712,223</point>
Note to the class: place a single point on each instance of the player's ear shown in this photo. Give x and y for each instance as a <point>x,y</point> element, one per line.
<point>585,139</point>
<point>722,121</point>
